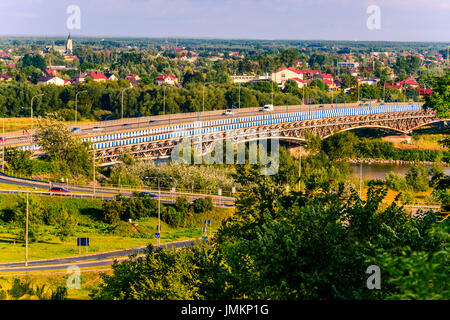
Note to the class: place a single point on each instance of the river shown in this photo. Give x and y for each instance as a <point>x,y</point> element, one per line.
<point>379,171</point>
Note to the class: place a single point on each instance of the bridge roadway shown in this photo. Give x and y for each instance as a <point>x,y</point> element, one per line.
<point>159,141</point>
<point>18,138</point>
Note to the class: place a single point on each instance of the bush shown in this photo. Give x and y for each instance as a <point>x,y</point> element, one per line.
<point>112,211</point>
<point>417,178</point>
<point>66,224</point>
<point>396,182</point>
<point>182,204</point>
<point>173,217</point>
<point>203,204</point>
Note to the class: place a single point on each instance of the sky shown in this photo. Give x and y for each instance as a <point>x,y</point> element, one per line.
<point>399,20</point>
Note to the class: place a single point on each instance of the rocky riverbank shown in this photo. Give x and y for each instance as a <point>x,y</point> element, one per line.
<point>389,161</point>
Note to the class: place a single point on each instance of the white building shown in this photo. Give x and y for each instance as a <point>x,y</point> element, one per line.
<point>51,80</point>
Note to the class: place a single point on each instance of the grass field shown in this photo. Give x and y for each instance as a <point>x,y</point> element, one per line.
<point>103,237</point>
<point>15,124</point>
<point>89,280</point>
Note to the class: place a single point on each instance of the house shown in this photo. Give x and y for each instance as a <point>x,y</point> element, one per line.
<point>330,83</point>
<point>166,79</point>
<point>97,76</point>
<point>111,76</point>
<point>309,74</point>
<point>5,77</point>
<point>369,81</point>
<point>395,85</point>
<point>300,82</point>
<point>51,80</point>
<point>133,78</point>
<point>79,78</point>
<point>324,76</point>
<point>410,83</point>
<point>69,58</point>
<point>51,72</point>
<point>284,74</point>
<point>249,78</point>
<point>425,92</point>
<point>348,64</point>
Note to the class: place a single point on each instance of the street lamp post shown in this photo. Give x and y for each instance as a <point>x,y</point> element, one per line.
<point>76,104</point>
<point>164,101</point>
<point>32,99</point>
<point>203,99</point>
<point>3,147</point>
<point>159,203</point>
<point>239,98</point>
<point>26,230</point>
<point>109,116</point>
<point>123,90</point>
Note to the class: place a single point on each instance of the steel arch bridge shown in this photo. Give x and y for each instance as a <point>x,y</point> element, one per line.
<point>290,129</point>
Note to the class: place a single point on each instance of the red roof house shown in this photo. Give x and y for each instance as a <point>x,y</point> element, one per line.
<point>97,76</point>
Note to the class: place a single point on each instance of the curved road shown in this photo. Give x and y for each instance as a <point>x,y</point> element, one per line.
<point>92,260</point>
<point>103,193</point>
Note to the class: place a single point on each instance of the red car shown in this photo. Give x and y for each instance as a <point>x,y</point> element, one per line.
<point>2,139</point>
<point>59,189</point>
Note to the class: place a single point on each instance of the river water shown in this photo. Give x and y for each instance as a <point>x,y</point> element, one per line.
<point>379,171</point>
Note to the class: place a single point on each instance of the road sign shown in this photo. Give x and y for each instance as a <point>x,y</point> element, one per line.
<point>205,238</point>
<point>157,235</point>
<point>233,190</point>
<point>83,242</point>
<point>157,228</point>
<point>220,192</point>
<point>205,229</point>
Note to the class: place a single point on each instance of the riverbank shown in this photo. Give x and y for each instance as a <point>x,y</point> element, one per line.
<point>391,161</point>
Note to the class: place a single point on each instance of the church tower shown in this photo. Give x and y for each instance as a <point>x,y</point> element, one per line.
<point>69,48</point>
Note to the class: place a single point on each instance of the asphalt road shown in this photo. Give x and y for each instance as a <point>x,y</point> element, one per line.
<point>101,193</point>
<point>92,260</point>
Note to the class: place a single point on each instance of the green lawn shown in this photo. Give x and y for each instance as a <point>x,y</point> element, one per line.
<point>103,237</point>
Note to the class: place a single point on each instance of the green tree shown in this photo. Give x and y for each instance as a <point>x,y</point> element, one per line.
<point>341,145</point>
<point>65,224</point>
<point>417,178</point>
<point>440,100</point>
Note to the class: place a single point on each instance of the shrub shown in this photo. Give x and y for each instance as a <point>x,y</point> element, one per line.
<point>66,224</point>
<point>181,204</point>
<point>417,178</point>
<point>203,204</point>
<point>112,211</point>
<point>173,217</point>
<point>396,182</point>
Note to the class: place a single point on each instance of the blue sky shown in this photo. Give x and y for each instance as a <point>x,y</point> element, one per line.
<point>401,20</point>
